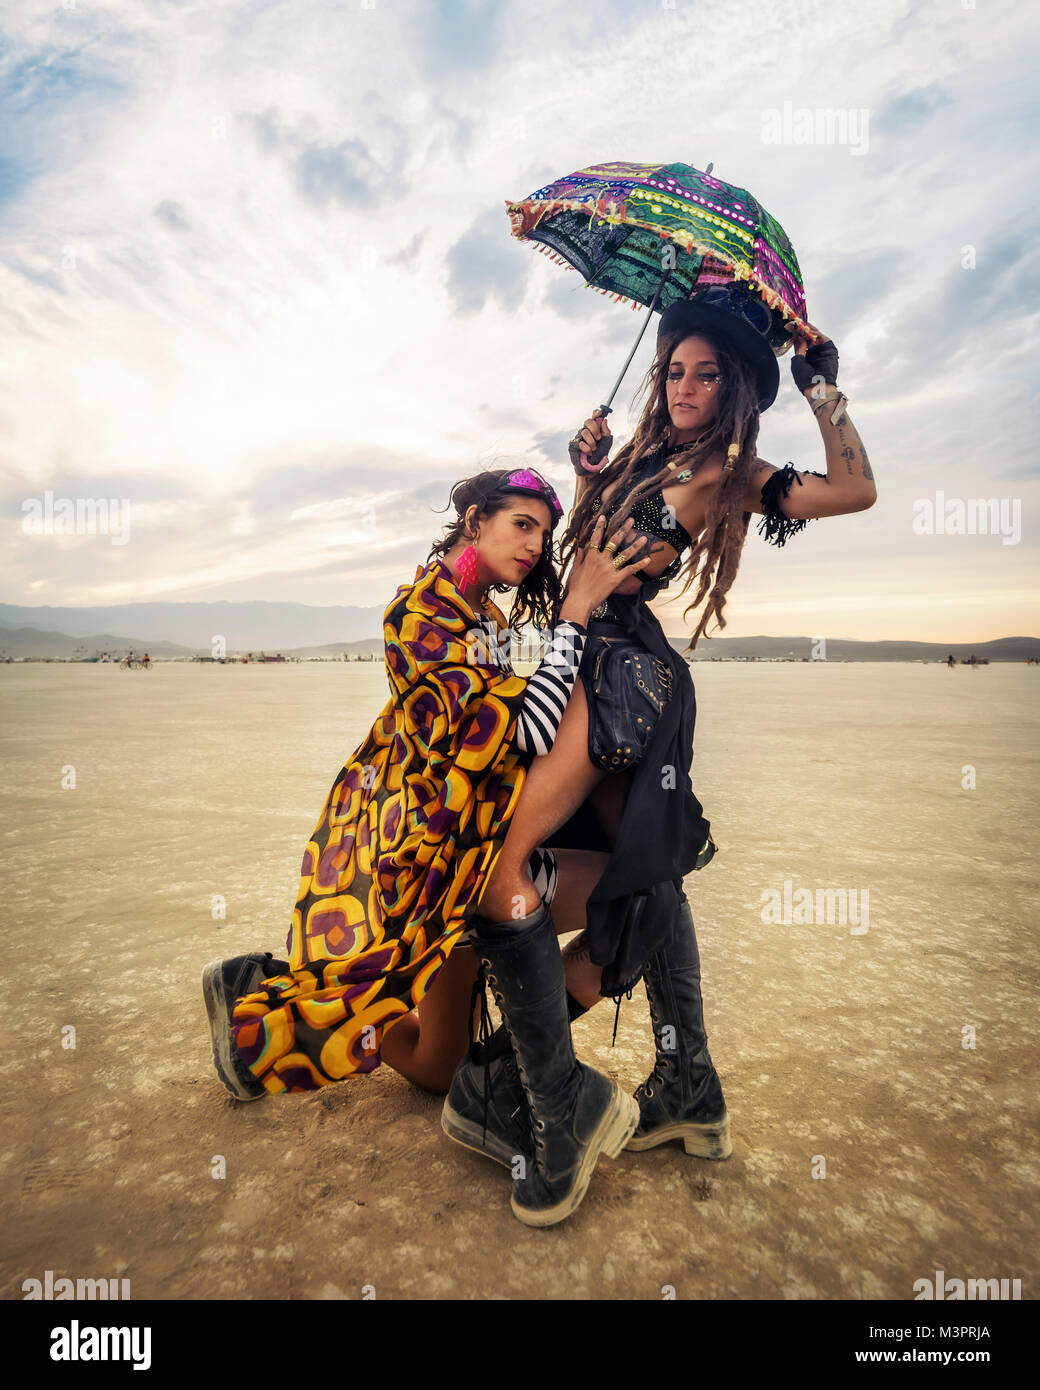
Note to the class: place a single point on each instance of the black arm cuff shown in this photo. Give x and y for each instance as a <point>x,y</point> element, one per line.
<point>775,526</point>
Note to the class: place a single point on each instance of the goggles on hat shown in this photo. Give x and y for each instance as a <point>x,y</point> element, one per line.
<point>737,301</point>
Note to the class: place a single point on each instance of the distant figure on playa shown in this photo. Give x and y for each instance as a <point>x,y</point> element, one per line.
<point>147,659</point>
<point>950,662</point>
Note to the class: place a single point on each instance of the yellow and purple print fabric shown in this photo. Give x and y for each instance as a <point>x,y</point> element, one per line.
<point>407,838</point>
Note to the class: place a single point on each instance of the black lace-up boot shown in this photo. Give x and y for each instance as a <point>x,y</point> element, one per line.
<point>682,1097</point>
<point>575,1113</point>
<point>224,982</point>
<point>486,1109</point>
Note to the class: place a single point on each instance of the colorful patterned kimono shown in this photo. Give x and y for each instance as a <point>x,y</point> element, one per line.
<point>407,839</point>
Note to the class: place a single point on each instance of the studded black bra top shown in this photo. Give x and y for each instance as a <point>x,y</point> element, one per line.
<point>651,514</point>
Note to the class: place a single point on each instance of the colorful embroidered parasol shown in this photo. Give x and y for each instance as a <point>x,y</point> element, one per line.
<point>611,222</point>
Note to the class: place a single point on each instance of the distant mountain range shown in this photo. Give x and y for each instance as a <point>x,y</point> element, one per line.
<point>173,630</point>
<point>844,649</point>
<point>244,626</point>
<point>30,642</point>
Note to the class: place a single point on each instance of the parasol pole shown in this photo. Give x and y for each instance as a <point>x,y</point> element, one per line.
<point>605,410</point>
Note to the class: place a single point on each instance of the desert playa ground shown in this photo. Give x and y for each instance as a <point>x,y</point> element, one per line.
<point>881,1082</point>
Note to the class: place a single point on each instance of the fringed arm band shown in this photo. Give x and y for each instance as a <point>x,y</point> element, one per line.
<point>775,526</point>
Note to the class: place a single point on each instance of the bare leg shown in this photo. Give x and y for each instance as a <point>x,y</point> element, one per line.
<point>584,978</point>
<point>556,785</point>
<point>608,801</point>
<point>427,1045</point>
<point>579,871</point>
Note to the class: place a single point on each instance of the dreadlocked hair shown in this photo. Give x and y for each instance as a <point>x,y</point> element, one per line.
<point>733,434</point>
<point>539,594</point>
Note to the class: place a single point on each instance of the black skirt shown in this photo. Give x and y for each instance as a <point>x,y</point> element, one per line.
<point>663,830</point>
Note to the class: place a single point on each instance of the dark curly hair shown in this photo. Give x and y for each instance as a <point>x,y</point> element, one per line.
<point>539,593</point>
<point>718,547</point>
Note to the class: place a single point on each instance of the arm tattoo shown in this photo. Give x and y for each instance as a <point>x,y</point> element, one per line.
<point>848,453</point>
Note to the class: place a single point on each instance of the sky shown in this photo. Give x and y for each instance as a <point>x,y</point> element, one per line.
<point>256,277</point>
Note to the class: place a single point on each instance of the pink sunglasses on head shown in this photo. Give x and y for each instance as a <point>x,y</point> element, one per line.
<point>528,481</point>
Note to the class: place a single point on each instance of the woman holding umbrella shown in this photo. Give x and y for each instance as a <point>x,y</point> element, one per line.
<point>691,478</point>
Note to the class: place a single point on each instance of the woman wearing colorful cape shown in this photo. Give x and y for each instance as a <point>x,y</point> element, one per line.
<point>412,826</point>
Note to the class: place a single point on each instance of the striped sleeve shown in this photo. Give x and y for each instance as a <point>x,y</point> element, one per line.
<point>549,689</point>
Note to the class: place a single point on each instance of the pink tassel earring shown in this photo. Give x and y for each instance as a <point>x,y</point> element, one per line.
<point>466,564</point>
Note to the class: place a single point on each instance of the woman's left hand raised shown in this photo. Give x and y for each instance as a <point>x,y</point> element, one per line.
<point>812,365</point>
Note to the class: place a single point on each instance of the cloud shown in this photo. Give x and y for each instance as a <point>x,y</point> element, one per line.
<point>483,264</point>
<point>345,172</point>
<point>142,490</point>
<point>978,314</point>
<point>172,214</point>
<point>46,279</point>
<point>459,132</point>
<point>913,108</point>
<point>243,256</point>
<point>456,36</point>
<point>14,178</point>
<point>857,283</point>
<point>553,444</point>
<point>53,103</point>
<point>409,253</point>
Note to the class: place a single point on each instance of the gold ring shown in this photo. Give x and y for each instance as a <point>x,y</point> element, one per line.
<point>612,547</point>
<point>620,562</point>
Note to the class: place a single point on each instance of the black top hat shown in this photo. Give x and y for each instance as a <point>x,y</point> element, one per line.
<point>741,320</point>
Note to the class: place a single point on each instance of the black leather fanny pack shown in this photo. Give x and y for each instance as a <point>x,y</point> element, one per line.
<point>630,688</point>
